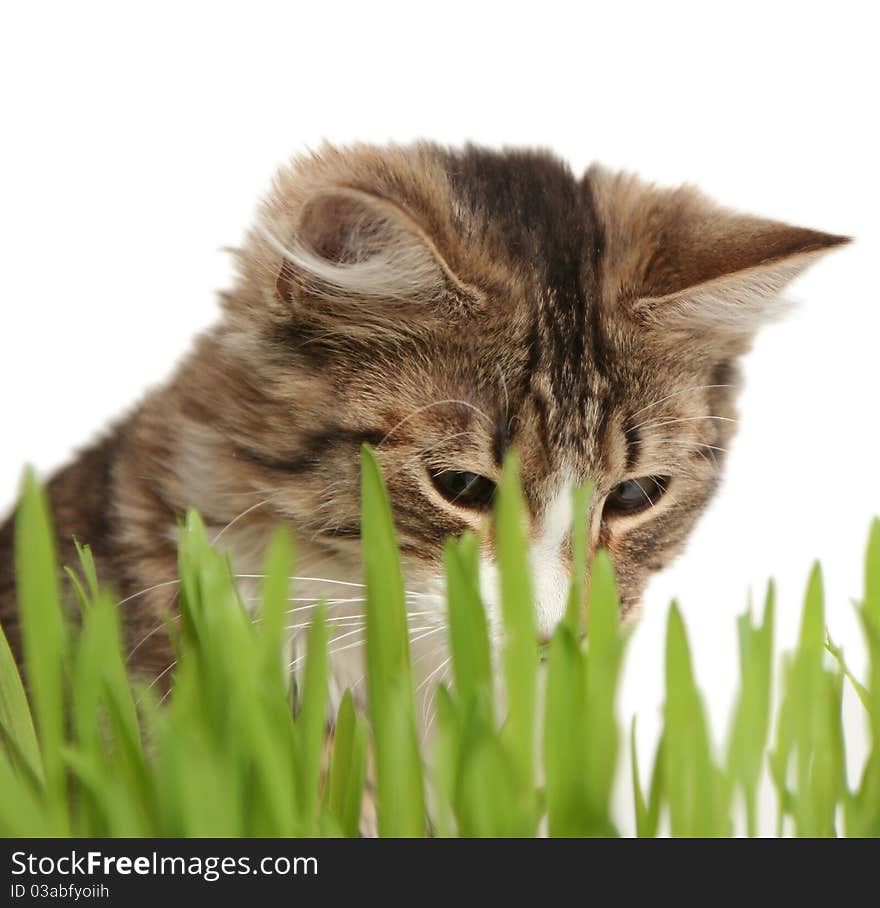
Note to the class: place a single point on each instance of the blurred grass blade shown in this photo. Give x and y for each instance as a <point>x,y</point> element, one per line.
<point>581,498</point>
<point>15,713</point>
<point>862,692</point>
<point>872,573</point>
<point>43,636</point>
<point>389,679</point>
<point>485,808</point>
<point>647,814</point>
<point>312,720</point>
<point>468,634</point>
<point>812,633</point>
<point>751,720</point>
<point>218,751</point>
<point>641,807</point>
<point>22,811</point>
<point>520,655</point>
<point>345,782</point>
<point>807,693</point>
<point>565,737</point>
<point>691,781</point>
<point>604,658</point>
<point>446,752</point>
<point>89,571</point>
<point>274,594</point>
<point>863,809</point>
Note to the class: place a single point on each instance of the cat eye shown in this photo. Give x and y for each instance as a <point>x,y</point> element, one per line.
<point>468,490</point>
<point>635,495</point>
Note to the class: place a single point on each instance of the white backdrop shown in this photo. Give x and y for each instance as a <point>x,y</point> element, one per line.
<point>136,143</point>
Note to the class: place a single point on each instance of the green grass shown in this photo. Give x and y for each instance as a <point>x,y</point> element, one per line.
<point>90,752</point>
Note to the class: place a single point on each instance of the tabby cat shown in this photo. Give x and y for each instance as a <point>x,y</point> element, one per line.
<point>444,306</point>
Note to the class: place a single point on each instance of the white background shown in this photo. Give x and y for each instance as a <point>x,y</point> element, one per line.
<point>136,141</point>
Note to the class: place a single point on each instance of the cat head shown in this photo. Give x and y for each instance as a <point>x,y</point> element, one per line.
<point>447,306</point>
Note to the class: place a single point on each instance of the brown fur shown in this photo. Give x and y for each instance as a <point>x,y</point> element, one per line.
<point>593,324</point>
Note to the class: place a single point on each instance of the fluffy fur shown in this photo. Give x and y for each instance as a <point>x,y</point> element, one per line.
<point>443,306</point>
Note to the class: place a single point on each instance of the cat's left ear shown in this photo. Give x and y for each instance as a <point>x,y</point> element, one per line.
<point>358,242</point>
<point>353,245</point>
<point>685,265</point>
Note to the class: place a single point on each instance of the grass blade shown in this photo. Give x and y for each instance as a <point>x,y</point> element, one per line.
<point>345,782</point>
<point>44,636</point>
<point>691,781</point>
<point>520,656</point>
<point>468,634</point>
<point>15,713</point>
<point>564,737</point>
<point>751,722</point>
<point>604,658</point>
<point>389,678</point>
<point>312,721</point>
<point>580,511</point>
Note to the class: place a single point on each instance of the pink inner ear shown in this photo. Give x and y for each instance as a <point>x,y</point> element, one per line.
<point>714,245</point>
<point>661,242</point>
<point>730,308</point>
<point>350,248</point>
<point>341,229</point>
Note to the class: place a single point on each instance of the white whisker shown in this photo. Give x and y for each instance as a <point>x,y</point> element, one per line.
<point>321,598</point>
<point>427,653</point>
<point>302,579</point>
<point>244,513</point>
<point>335,651</point>
<point>144,639</point>
<point>680,419</point>
<point>432,630</point>
<point>676,394</point>
<point>429,715</point>
<point>436,403</point>
<point>335,623</point>
<point>427,679</point>
<point>155,681</point>
<point>504,392</point>
<point>149,589</point>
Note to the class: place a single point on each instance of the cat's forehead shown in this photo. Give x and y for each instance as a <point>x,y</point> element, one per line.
<point>528,212</point>
<point>538,222</point>
<point>422,274</point>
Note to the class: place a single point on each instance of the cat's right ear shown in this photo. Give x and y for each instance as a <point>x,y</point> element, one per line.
<point>363,259</point>
<point>689,269</point>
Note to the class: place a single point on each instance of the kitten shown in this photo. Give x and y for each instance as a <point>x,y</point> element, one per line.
<point>443,306</point>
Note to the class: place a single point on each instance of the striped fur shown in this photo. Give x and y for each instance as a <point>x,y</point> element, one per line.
<point>444,306</point>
